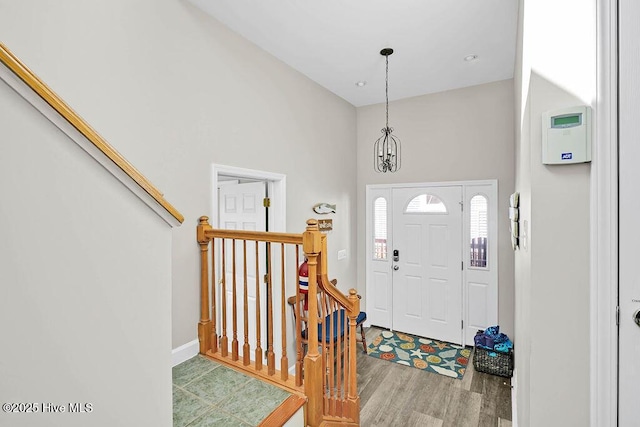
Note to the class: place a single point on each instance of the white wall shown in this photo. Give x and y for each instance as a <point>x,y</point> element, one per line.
<point>463,134</point>
<point>552,267</point>
<point>85,278</point>
<point>174,91</point>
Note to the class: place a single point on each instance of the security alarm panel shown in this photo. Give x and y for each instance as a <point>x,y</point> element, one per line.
<point>566,136</point>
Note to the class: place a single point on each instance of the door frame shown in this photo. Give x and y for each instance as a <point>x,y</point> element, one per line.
<point>604,224</point>
<point>493,254</point>
<point>276,189</point>
<point>276,186</point>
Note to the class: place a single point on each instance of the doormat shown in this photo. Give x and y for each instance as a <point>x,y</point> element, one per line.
<point>423,353</point>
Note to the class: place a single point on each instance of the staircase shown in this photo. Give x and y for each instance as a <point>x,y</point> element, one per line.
<point>245,322</point>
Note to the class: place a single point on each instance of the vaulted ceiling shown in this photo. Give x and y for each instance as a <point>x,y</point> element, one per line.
<point>337,43</point>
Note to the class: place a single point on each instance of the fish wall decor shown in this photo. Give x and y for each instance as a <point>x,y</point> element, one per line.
<point>324,208</point>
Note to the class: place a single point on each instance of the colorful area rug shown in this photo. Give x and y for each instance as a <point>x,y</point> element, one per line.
<point>422,353</point>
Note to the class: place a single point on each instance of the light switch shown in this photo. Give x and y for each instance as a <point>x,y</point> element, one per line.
<point>342,254</point>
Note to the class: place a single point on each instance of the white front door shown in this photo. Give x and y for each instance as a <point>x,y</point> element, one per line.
<point>427,262</point>
<point>241,208</point>
<point>629,207</point>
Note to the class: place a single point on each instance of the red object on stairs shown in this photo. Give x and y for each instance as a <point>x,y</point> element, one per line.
<point>303,283</point>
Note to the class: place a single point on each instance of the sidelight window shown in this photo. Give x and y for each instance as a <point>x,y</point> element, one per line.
<point>478,228</point>
<point>380,229</point>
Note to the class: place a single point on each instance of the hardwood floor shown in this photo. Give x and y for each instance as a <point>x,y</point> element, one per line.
<point>396,395</point>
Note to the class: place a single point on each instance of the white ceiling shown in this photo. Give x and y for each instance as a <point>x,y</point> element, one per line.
<point>337,42</point>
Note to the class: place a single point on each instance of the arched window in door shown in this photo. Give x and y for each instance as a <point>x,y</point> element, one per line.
<point>426,203</point>
<point>478,231</point>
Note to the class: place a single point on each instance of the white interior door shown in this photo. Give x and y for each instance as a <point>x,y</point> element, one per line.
<point>629,207</point>
<point>427,267</point>
<point>241,208</point>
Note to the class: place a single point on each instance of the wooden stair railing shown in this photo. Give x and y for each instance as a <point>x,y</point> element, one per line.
<point>244,283</point>
<point>105,153</point>
<point>335,363</point>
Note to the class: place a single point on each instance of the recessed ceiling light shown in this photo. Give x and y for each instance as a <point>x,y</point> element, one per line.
<point>361,83</point>
<point>470,58</point>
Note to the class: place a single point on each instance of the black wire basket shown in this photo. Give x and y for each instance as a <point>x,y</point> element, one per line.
<point>493,362</point>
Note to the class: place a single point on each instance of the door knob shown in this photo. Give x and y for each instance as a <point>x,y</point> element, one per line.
<point>395,267</point>
<point>636,317</point>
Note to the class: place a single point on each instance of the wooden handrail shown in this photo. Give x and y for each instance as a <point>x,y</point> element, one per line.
<point>335,293</point>
<point>258,236</point>
<point>50,97</point>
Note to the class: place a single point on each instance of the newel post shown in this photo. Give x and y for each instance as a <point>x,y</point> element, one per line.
<point>312,246</point>
<point>352,394</point>
<point>204,326</point>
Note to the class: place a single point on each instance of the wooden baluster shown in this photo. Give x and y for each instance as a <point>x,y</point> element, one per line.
<point>346,360</point>
<point>342,367</point>
<point>204,327</point>
<point>331,358</point>
<point>224,341</point>
<point>347,357</point>
<point>313,374</point>
<point>335,355</point>
<point>234,302</point>
<point>271,357</point>
<point>298,320</point>
<point>214,285</point>
<point>284,360</point>
<point>353,398</point>
<point>329,348</point>
<point>246,359</point>
<point>342,370</point>
<point>342,326</point>
<point>325,324</point>
<point>258,324</point>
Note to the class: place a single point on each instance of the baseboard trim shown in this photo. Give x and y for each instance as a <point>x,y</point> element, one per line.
<point>185,352</point>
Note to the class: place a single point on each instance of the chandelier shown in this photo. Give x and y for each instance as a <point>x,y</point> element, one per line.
<point>386,150</point>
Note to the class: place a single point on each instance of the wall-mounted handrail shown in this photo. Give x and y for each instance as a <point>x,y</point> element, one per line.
<point>50,97</point>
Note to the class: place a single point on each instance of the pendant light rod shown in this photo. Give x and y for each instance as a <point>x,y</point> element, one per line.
<point>386,52</point>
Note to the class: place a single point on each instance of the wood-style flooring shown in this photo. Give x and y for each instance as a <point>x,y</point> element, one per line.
<point>396,395</point>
